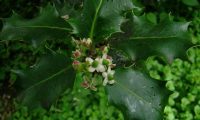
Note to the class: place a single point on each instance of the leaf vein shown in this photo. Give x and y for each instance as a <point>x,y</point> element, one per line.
<point>134,94</point>
<point>49,27</point>
<point>47,79</point>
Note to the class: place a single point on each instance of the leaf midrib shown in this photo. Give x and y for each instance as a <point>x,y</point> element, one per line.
<point>153,37</point>
<point>47,79</point>
<point>134,94</point>
<point>48,27</point>
<point>91,34</point>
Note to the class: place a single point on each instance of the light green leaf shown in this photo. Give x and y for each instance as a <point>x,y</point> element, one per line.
<point>47,25</point>
<point>100,18</point>
<point>137,95</point>
<point>191,2</point>
<point>142,38</point>
<point>45,81</point>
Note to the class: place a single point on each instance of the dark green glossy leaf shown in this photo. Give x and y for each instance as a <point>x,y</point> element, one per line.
<point>137,95</point>
<point>142,39</point>
<point>47,25</point>
<point>100,18</point>
<point>45,81</point>
<point>68,8</point>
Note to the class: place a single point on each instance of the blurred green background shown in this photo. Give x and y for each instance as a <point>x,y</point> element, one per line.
<point>182,76</point>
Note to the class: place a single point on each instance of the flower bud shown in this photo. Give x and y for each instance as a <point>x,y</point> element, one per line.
<point>93,88</point>
<point>75,42</point>
<point>65,17</point>
<point>76,64</point>
<point>88,42</point>
<point>76,54</point>
<point>105,50</point>
<point>85,84</point>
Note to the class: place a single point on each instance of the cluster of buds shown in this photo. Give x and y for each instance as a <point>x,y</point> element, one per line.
<point>94,63</point>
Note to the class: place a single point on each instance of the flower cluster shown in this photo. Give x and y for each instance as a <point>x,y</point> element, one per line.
<point>94,63</point>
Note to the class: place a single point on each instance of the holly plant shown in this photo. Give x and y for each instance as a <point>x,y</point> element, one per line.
<point>108,45</point>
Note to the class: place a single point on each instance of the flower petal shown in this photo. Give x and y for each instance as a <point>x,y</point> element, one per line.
<point>111,81</point>
<point>91,69</point>
<point>104,56</point>
<point>105,81</point>
<point>104,74</point>
<point>100,68</point>
<point>88,59</point>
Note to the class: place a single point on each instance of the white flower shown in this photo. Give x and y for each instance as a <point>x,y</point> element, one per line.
<point>105,81</point>
<point>104,56</point>
<point>88,41</point>
<point>90,61</point>
<point>100,67</point>
<point>106,60</point>
<point>91,69</point>
<point>95,65</point>
<point>108,77</point>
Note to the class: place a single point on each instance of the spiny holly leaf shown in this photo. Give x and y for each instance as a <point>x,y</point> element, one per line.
<point>143,39</point>
<point>137,95</point>
<point>42,84</point>
<point>100,18</point>
<point>47,25</point>
<point>67,8</point>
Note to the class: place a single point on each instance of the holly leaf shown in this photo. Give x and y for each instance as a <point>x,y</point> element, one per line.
<point>43,83</point>
<point>48,25</point>
<point>142,38</point>
<point>68,8</point>
<point>100,18</point>
<point>137,95</point>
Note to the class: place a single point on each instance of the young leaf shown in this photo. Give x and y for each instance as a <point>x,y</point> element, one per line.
<point>100,18</point>
<point>47,25</point>
<point>44,82</point>
<point>143,39</point>
<point>137,95</point>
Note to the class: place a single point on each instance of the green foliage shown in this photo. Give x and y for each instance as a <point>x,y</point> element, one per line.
<point>155,40</point>
<point>71,106</point>
<point>100,20</point>
<point>183,80</point>
<point>41,88</point>
<point>137,95</point>
<point>29,9</point>
<point>47,25</point>
<point>194,27</point>
<point>191,2</point>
